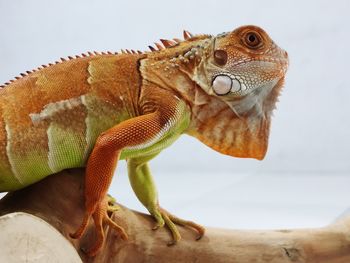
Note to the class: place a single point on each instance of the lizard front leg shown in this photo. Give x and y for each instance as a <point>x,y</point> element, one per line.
<point>101,165</point>
<point>144,187</point>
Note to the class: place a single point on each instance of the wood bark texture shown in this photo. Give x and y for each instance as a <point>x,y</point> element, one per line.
<point>59,200</point>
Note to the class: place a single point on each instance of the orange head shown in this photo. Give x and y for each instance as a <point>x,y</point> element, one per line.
<point>231,82</point>
<point>244,70</point>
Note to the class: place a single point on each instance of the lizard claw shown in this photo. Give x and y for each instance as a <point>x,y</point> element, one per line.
<point>112,204</point>
<point>165,218</point>
<point>199,236</point>
<point>200,229</point>
<point>159,218</point>
<point>156,227</point>
<point>100,217</point>
<point>171,243</point>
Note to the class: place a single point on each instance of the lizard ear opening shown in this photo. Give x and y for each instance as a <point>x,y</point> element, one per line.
<point>222,85</point>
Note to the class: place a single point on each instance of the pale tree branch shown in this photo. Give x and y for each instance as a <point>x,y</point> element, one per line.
<point>59,200</point>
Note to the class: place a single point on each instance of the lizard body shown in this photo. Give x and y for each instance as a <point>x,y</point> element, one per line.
<point>95,110</point>
<point>52,117</point>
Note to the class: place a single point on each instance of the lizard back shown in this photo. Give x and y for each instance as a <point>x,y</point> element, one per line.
<point>50,118</point>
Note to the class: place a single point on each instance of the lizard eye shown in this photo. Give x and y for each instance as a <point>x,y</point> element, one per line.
<point>220,57</point>
<point>252,40</point>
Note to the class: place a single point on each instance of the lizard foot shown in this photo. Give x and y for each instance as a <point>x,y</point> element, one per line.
<point>100,217</point>
<point>165,218</point>
<point>112,204</point>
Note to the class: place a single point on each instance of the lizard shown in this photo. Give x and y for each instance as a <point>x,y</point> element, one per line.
<point>98,108</point>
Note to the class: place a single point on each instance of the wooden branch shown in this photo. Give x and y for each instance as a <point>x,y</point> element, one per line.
<point>59,200</point>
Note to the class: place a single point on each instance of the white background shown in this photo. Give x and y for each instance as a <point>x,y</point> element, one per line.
<point>304,180</point>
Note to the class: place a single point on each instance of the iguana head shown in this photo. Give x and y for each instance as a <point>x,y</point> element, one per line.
<point>232,82</point>
<point>243,70</point>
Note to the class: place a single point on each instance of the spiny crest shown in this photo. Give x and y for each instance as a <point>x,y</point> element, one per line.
<point>166,43</point>
<point>131,51</point>
<point>83,55</point>
<point>187,35</point>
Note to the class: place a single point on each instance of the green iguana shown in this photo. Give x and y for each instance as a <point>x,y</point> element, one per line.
<point>93,110</point>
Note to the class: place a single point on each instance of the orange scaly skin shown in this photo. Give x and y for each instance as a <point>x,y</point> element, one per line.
<point>95,110</point>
